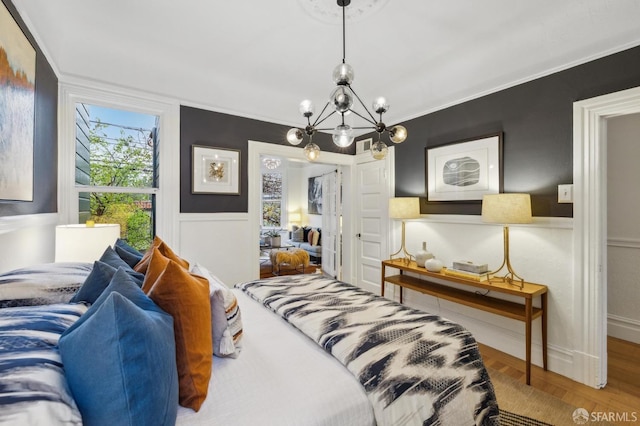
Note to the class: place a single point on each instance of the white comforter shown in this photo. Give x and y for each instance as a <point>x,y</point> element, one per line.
<point>280,378</point>
<point>417,368</point>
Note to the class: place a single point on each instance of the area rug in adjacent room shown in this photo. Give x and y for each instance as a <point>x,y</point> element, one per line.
<point>524,405</point>
<point>266,271</point>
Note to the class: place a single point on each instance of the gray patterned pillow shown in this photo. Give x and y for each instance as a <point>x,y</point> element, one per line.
<point>226,318</point>
<point>297,236</point>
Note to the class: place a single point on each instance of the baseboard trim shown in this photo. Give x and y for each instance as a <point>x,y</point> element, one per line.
<point>623,328</point>
<point>510,341</point>
<point>585,370</point>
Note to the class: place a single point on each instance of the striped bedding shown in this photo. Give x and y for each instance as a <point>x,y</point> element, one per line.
<point>33,388</point>
<point>416,368</point>
<point>42,284</point>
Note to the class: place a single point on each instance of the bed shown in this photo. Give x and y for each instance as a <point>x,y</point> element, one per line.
<point>314,351</point>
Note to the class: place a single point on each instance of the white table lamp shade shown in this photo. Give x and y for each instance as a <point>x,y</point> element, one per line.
<point>404,208</point>
<point>295,217</point>
<point>81,243</point>
<point>506,208</point>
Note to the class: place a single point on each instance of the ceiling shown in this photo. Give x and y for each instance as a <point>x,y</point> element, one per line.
<point>259,58</point>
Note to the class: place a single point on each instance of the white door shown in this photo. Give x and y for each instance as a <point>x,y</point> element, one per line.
<point>373,189</point>
<point>331,213</point>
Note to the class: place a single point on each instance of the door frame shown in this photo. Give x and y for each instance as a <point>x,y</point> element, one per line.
<point>590,230</point>
<point>255,150</point>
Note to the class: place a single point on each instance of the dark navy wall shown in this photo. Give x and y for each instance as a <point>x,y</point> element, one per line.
<point>208,128</point>
<point>537,121</point>
<point>535,117</point>
<point>45,162</point>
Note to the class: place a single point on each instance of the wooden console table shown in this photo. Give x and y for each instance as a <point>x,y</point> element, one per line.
<point>526,313</point>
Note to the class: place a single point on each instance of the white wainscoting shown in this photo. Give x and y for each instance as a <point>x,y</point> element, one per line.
<point>27,240</point>
<point>220,242</point>
<point>541,252</point>
<point>623,288</point>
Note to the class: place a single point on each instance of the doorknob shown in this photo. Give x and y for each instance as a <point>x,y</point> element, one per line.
<point>358,235</point>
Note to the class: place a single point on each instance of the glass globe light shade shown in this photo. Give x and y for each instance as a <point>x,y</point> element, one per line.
<point>379,150</point>
<point>398,134</point>
<point>311,151</point>
<point>343,135</point>
<point>342,99</point>
<point>294,136</point>
<point>380,105</point>
<point>342,74</point>
<point>306,108</point>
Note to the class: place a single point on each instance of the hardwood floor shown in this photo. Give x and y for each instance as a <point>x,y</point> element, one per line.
<point>621,395</point>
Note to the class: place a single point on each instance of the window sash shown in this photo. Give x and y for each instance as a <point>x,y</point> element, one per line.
<point>272,198</point>
<point>122,189</point>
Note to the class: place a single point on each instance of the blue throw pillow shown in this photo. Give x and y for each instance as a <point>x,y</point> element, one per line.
<point>124,245</point>
<point>127,253</point>
<point>120,361</point>
<point>122,283</point>
<point>110,257</point>
<point>97,280</point>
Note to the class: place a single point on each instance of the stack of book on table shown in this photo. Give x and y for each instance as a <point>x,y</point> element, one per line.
<point>468,270</point>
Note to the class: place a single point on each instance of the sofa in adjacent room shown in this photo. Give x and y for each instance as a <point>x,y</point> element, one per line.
<point>309,239</point>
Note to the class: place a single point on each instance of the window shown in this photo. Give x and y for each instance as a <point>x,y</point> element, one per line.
<point>272,200</point>
<point>117,170</point>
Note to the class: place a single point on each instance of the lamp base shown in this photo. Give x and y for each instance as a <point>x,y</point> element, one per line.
<point>510,278</point>
<point>407,258</point>
<point>403,249</point>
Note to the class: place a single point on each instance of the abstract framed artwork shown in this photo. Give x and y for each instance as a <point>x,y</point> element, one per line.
<point>465,170</point>
<point>215,170</point>
<point>17,106</point>
<point>314,195</point>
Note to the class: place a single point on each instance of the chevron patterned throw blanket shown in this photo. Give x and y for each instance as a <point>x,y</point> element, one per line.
<point>416,368</point>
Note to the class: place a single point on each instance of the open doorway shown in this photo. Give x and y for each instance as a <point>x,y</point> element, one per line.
<point>590,230</point>
<point>623,251</point>
<point>331,161</point>
<point>623,228</point>
<point>298,216</point>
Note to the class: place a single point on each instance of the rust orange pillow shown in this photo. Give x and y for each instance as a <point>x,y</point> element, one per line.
<point>165,250</point>
<point>156,266</point>
<point>185,297</point>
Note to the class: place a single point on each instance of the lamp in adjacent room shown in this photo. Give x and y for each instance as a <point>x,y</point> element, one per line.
<point>507,209</point>
<point>84,243</point>
<point>404,208</point>
<point>295,218</point>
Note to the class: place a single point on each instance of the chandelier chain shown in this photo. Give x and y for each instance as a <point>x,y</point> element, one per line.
<point>344,35</point>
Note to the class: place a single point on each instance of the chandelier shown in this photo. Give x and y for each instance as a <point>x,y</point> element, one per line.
<point>341,101</point>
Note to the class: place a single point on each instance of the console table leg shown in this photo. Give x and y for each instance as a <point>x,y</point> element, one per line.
<point>544,330</point>
<point>528,320</point>
<point>382,281</point>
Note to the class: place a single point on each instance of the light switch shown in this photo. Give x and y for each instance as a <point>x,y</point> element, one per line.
<point>565,193</point>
